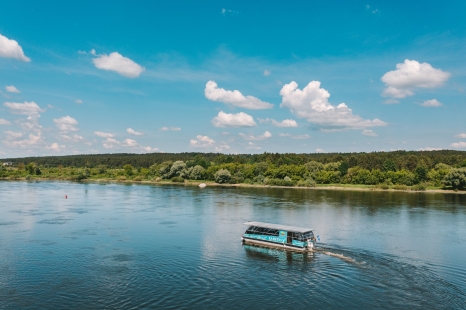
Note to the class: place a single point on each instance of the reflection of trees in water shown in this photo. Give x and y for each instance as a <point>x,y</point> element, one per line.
<point>372,201</point>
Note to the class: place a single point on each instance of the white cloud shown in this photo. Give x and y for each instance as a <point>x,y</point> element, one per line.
<point>12,89</point>
<point>135,133</point>
<point>130,142</point>
<point>252,146</point>
<point>427,148</point>
<point>103,134</point>
<point>224,11</point>
<point>265,135</point>
<point>78,101</point>
<point>57,147</point>
<point>319,150</point>
<point>201,142</point>
<point>116,62</point>
<point>431,103</point>
<point>412,74</point>
<point>27,108</point>
<point>267,73</point>
<point>234,98</point>
<point>74,138</point>
<point>4,122</point>
<point>311,103</point>
<point>368,132</point>
<point>461,135</point>
<point>295,137</point>
<point>13,135</point>
<point>240,119</point>
<point>391,101</point>
<point>459,144</point>
<point>32,140</point>
<point>11,49</point>
<point>66,123</point>
<point>170,129</point>
<point>284,123</point>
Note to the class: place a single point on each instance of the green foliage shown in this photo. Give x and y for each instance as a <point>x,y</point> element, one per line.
<point>343,168</point>
<point>306,183</point>
<point>197,173</point>
<point>389,165</point>
<point>327,177</point>
<point>178,169</point>
<point>177,179</point>
<point>222,176</point>
<point>456,178</point>
<point>420,173</point>
<point>419,187</point>
<point>128,170</point>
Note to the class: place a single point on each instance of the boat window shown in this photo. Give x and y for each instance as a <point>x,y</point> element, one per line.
<point>250,230</point>
<point>308,235</point>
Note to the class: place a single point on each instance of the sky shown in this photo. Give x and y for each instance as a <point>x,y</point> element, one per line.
<point>87,77</point>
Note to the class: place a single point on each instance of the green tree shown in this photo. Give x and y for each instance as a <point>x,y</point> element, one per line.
<point>456,178</point>
<point>343,168</point>
<point>389,165</point>
<point>222,176</point>
<point>128,169</point>
<point>197,173</point>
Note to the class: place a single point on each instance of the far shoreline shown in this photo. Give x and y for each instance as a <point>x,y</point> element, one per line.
<point>332,187</point>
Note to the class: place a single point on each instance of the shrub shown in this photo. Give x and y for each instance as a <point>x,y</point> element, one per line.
<point>138,178</point>
<point>178,169</point>
<point>419,187</point>
<point>306,183</point>
<point>400,187</point>
<point>222,176</point>
<point>456,178</point>
<point>383,186</point>
<point>197,173</point>
<point>128,169</point>
<point>177,179</point>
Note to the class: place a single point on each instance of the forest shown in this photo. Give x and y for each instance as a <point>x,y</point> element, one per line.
<point>402,170</point>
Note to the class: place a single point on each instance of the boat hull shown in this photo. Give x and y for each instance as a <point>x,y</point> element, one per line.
<point>275,245</point>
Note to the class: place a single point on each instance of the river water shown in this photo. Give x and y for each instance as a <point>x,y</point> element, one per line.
<point>110,246</point>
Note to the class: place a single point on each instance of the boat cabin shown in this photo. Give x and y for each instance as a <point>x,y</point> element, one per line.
<point>281,236</point>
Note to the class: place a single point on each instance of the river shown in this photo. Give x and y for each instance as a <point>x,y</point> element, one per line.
<point>113,246</point>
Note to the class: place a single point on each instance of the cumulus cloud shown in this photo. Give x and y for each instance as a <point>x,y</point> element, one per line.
<point>234,98</point>
<point>116,62</point>
<point>11,49</point>
<point>252,146</point>
<point>267,73</point>
<point>240,119</point>
<point>4,122</point>
<point>311,103</point>
<point>319,150</point>
<point>265,135</point>
<point>27,108</point>
<point>13,135</point>
<point>12,89</point>
<point>295,137</point>
<point>66,123</point>
<point>112,143</point>
<point>74,138</point>
<point>201,141</point>
<point>461,135</point>
<point>103,134</point>
<point>32,140</point>
<point>78,101</point>
<point>459,144</point>
<point>368,132</point>
<point>132,132</point>
<point>57,147</point>
<point>427,148</point>
<point>170,129</point>
<point>206,142</point>
<point>284,123</point>
<point>409,75</point>
<point>431,103</point>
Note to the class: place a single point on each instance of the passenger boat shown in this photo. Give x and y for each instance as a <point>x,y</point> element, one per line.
<point>279,236</point>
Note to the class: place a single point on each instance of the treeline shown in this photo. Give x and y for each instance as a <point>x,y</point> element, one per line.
<point>397,170</point>
<point>407,160</point>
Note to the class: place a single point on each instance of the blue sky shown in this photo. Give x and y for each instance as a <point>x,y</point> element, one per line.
<point>231,76</point>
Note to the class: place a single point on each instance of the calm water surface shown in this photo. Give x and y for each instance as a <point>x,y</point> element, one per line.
<point>134,247</point>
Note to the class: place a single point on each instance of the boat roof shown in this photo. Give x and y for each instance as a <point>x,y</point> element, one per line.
<point>279,227</point>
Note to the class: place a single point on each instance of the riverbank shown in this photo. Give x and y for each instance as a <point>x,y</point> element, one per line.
<point>345,187</point>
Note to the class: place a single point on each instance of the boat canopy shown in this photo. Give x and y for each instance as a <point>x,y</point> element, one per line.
<point>279,227</point>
